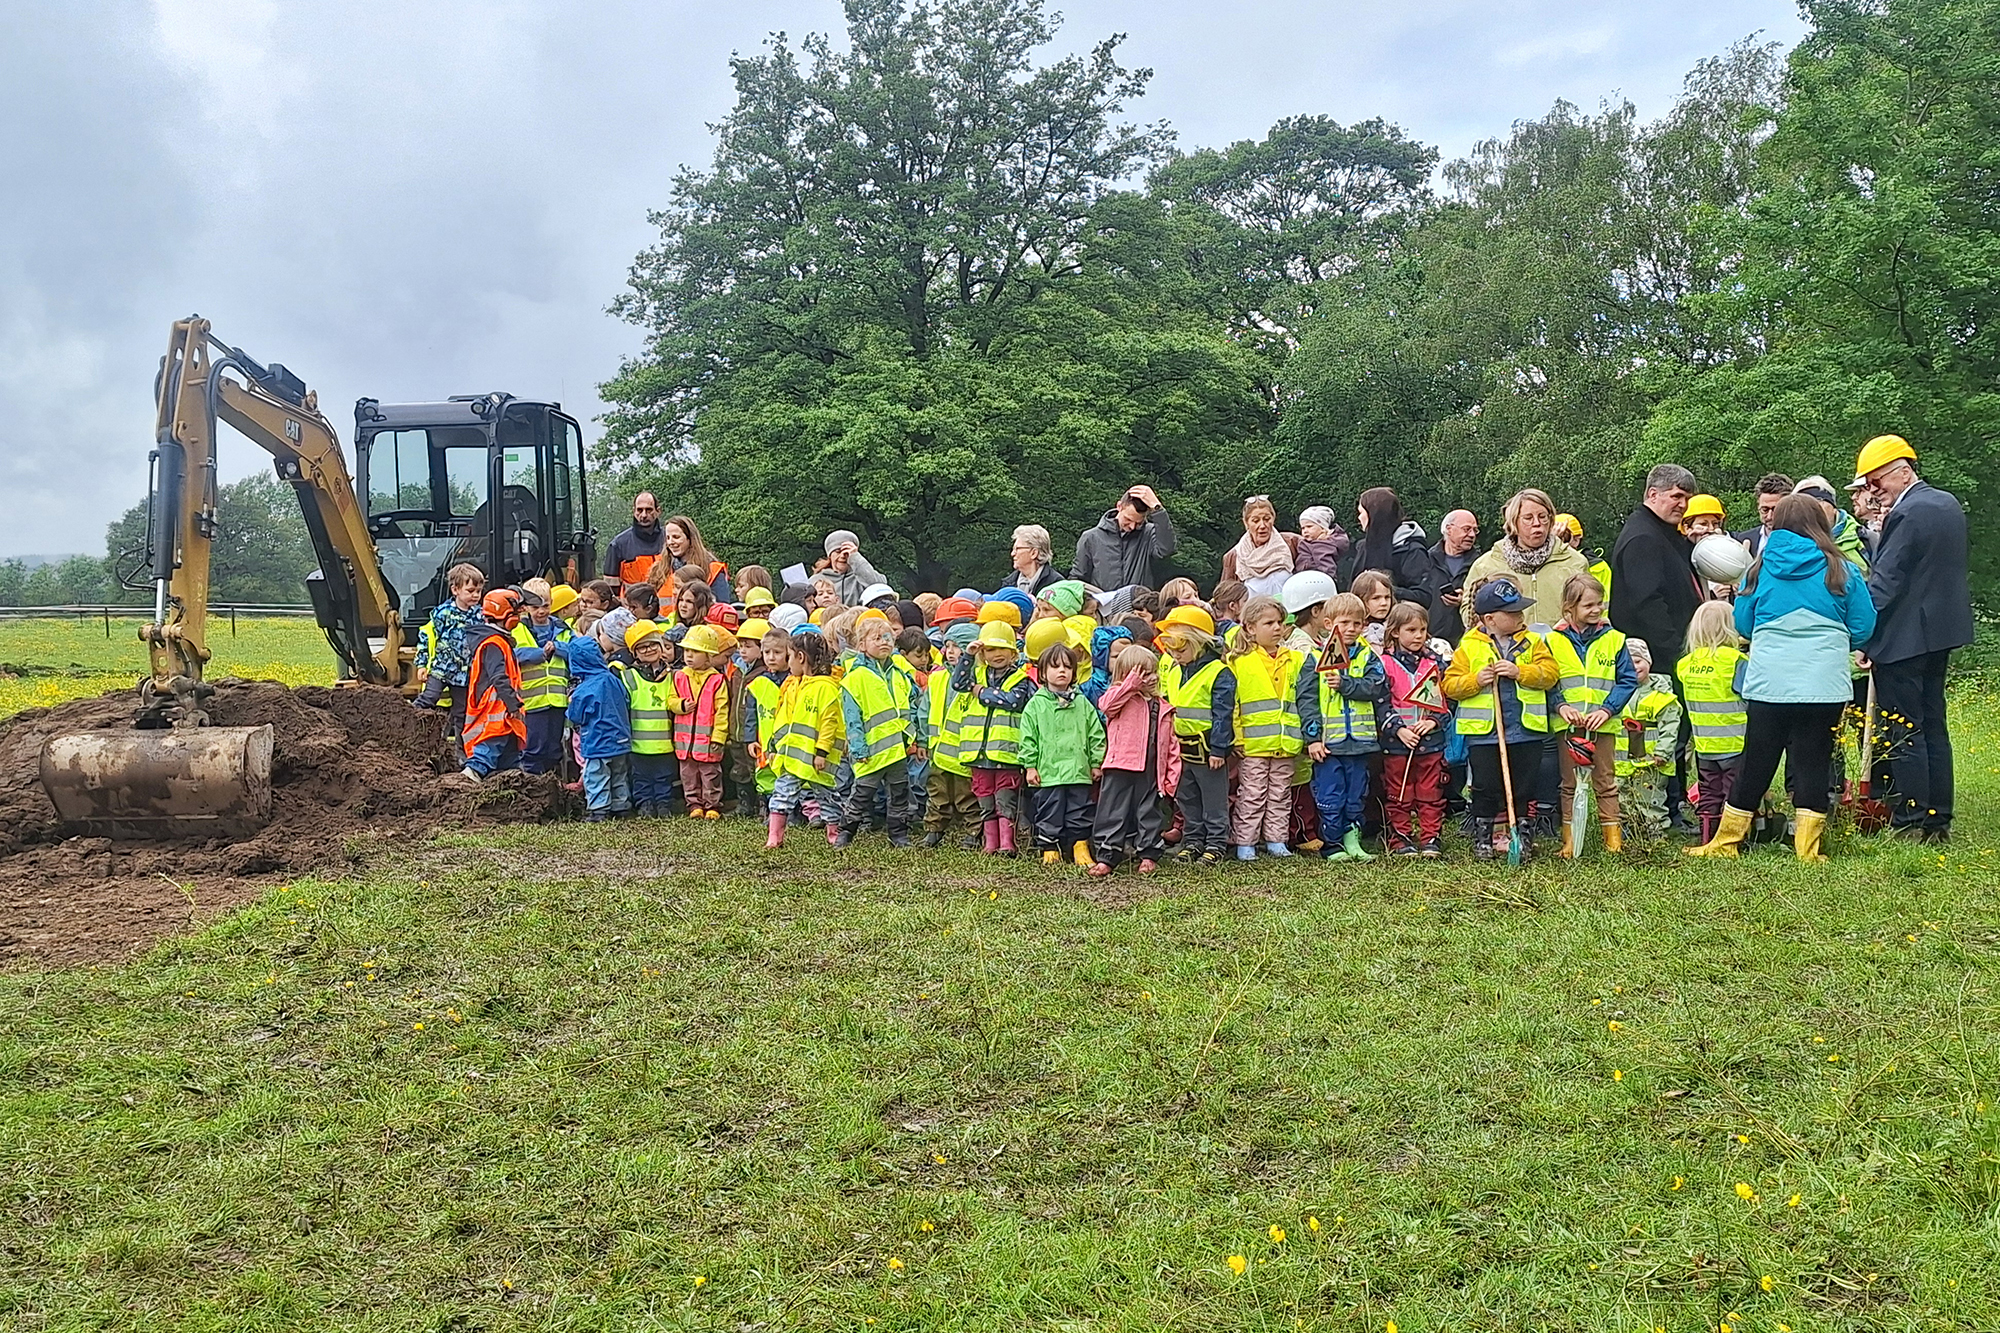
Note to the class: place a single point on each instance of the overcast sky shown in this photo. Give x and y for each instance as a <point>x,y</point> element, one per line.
<point>414,198</point>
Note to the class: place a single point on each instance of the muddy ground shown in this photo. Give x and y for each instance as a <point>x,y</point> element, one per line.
<point>352,766</point>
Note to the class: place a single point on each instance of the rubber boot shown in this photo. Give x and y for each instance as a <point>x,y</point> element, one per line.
<point>1808,831</point>
<point>1728,839</point>
<point>1570,850</point>
<point>1006,836</point>
<point>1051,857</point>
<point>1081,852</point>
<point>1482,840</point>
<point>991,831</point>
<point>776,837</point>
<point>1614,835</point>
<point>1350,842</point>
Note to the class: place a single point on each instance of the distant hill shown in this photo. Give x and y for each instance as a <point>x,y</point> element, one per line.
<point>37,561</point>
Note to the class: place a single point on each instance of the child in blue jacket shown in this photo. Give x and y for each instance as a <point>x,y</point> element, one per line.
<point>601,712</point>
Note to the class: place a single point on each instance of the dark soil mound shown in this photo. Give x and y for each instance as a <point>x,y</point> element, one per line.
<point>351,764</point>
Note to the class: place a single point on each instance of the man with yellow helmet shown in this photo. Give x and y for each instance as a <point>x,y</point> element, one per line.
<point>1923,606</point>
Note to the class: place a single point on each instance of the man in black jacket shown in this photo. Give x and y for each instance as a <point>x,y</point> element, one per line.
<point>1923,610</point>
<point>1119,552</point>
<point>1655,593</point>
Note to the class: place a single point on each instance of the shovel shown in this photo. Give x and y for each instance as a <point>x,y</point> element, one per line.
<point>1870,815</point>
<point>1582,757</point>
<point>1507,782</point>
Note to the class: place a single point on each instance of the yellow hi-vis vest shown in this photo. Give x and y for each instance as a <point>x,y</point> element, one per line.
<point>985,732</point>
<point>765,691</point>
<point>544,684</point>
<point>885,707</point>
<point>652,712</point>
<point>1191,695</point>
<point>801,735</point>
<point>1267,705</point>
<point>427,637</point>
<point>1648,705</point>
<point>1476,714</point>
<point>1587,680</point>
<point>1341,718</point>
<point>1601,571</point>
<point>944,710</point>
<point>1716,712</point>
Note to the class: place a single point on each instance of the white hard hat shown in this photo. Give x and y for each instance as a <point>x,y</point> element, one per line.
<point>1720,558</point>
<point>874,592</point>
<point>1307,588</point>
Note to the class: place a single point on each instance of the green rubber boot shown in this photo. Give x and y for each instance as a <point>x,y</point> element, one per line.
<point>1350,843</point>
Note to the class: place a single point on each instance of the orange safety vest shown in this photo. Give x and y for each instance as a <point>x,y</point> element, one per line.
<point>694,731</point>
<point>486,718</point>
<point>635,570</point>
<point>668,584</point>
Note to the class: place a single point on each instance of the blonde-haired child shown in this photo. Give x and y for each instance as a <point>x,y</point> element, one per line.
<point>443,662</point>
<point>1598,680</point>
<point>1198,683</point>
<point>1501,676</point>
<point>1711,676</point>
<point>810,736</point>
<point>885,722</point>
<point>1142,763</point>
<point>1267,728</point>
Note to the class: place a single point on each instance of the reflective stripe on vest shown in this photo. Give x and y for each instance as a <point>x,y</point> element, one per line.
<point>797,739</point>
<point>1716,713</point>
<point>1587,680</point>
<point>1267,705</point>
<point>652,713</point>
<point>1646,706</point>
<point>764,689</point>
<point>885,708</point>
<point>1475,715</point>
<point>1403,684</point>
<point>1193,697</point>
<point>1340,718</point>
<point>485,716</point>
<point>944,708</point>
<point>988,733</point>
<point>694,730</point>
<point>544,684</point>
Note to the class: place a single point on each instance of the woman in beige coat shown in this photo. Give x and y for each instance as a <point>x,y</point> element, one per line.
<point>1532,555</point>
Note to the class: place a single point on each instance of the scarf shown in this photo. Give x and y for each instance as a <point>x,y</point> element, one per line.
<point>1523,561</point>
<point>1254,562</point>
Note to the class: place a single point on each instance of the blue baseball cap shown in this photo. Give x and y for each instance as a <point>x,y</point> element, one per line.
<point>1500,595</point>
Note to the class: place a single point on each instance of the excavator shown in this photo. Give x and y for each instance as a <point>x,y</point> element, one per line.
<point>488,479</point>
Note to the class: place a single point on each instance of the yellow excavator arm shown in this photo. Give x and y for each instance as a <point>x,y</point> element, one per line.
<point>203,380</point>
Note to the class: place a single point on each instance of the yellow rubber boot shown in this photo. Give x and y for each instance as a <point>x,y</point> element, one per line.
<point>1729,837</point>
<point>1570,840</point>
<point>1614,835</point>
<point>1808,830</point>
<point>1051,857</point>
<point>1082,853</point>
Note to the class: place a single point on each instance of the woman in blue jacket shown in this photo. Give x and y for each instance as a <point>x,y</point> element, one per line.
<point>1805,609</point>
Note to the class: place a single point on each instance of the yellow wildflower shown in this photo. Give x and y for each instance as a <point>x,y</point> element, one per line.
<point>1767,1282</point>
<point>416,1027</point>
<point>1312,1225</point>
<point>1678,1182</point>
<point>1237,1264</point>
<point>1792,1202</point>
<point>699,1279</point>
<point>895,1264</point>
<point>1277,1234</point>
<point>1615,1025</point>
<point>1745,1193</point>
<point>1617,1076</point>
<point>927,1225</point>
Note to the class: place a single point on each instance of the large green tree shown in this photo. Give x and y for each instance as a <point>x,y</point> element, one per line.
<point>261,553</point>
<point>906,299</point>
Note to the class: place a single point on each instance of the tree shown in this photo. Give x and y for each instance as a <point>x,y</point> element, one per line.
<point>261,554</point>
<point>904,299</point>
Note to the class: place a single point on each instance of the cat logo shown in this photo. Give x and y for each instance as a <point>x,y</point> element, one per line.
<point>293,431</point>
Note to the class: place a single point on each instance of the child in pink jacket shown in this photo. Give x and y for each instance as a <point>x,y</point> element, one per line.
<point>1142,763</point>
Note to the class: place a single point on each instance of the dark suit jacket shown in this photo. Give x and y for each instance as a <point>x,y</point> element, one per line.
<point>1653,589</point>
<point>1918,578</point>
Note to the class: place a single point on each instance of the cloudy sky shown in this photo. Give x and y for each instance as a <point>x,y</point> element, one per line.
<point>412,198</point>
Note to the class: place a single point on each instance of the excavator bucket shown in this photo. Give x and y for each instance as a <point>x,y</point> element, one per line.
<point>181,782</point>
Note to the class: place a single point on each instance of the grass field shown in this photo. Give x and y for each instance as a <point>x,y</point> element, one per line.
<point>658,1078</point>
<point>45,662</point>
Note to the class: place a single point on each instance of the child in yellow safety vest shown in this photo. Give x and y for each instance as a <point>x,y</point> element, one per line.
<point>885,723</point>
<point>948,785</point>
<point>701,719</point>
<point>1501,676</point>
<point>1598,680</point>
<point>541,644</point>
<point>1652,728</point>
<point>649,681</point>
<point>765,652</point>
<point>993,688</point>
<point>809,739</point>
<point>1337,691</point>
<point>1201,687</point>
<point>1711,676</point>
<point>1267,729</point>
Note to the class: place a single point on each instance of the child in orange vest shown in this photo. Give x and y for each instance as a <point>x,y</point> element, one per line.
<point>701,719</point>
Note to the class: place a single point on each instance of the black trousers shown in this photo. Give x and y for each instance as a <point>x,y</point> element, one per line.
<point>1063,815</point>
<point>1803,736</point>
<point>1912,744</point>
<point>1489,793</point>
<point>1128,813</point>
<point>895,779</point>
<point>1203,797</point>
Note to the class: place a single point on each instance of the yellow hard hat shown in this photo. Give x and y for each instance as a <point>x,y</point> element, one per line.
<point>705,639</point>
<point>638,630</point>
<point>1080,629</point>
<point>996,634</point>
<point>1191,617</point>
<point>758,597</point>
<point>750,631</point>
<point>1879,453</point>
<point>561,597</point>
<point>1045,634</point>
<point>1570,524</point>
<point>999,611</point>
<point>1701,506</point>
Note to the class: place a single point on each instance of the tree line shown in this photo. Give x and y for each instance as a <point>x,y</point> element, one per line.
<point>929,288</point>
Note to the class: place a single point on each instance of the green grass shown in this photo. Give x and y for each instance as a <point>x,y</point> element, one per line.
<point>47,661</point>
<point>664,1079</point>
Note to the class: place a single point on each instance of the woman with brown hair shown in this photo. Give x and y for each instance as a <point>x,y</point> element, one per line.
<point>684,548</point>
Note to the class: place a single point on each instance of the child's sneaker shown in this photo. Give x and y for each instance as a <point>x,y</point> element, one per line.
<point>1277,849</point>
<point>839,835</point>
<point>711,814</point>
<point>1210,858</point>
<point>1433,849</point>
<point>900,839</point>
<point>1099,869</point>
<point>597,817</point>
<point>1246,853</point>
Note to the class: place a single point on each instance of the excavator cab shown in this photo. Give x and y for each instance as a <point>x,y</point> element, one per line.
<point>489,480</point>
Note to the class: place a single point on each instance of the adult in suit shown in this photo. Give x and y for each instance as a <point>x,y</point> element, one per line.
<point>1654,592</point>
<point>1923,609</point>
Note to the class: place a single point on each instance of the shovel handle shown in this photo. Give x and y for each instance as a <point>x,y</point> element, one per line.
<point>1506,769</point>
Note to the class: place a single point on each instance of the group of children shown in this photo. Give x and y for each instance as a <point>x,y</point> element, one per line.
<point>1226,728</point>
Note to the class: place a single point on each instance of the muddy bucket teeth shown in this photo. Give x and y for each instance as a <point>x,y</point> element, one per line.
<point>182,782</point>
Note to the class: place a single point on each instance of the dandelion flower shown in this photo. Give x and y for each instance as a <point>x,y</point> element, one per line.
<point>1312,1224</point>
<point>1792,1202</point>
<point>1277,1234</point>
<point>938,1157</point>
<point>1679,1181</point>
<point>699,1279</point>
<point>1767,1282</point>
<point>1389,1327</point>
<point>1617,1076</point>
<point>1744,1192</point>
<point>1615,1025</point>
<point>927,1225</point>
<point>895,1264</point>
<point>416,1027</point>
<point>1237,1264</point>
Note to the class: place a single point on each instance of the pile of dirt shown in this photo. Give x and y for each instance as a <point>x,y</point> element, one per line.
<point>351,764</point>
